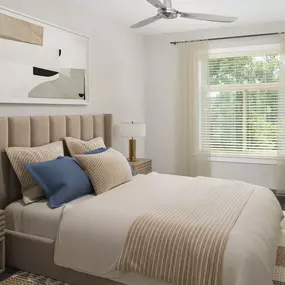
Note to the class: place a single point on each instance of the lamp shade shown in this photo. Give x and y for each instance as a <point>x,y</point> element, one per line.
<point>133,130</point>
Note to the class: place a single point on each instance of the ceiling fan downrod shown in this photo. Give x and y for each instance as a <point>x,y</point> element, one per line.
<point>167,3</point>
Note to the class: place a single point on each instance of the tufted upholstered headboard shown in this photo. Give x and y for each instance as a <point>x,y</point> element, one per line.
<point>40,130</point>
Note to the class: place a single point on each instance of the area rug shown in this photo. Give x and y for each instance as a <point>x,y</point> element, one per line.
<point>24,278</point>
<point>279,271</point>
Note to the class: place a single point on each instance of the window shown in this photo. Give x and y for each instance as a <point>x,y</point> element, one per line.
<point>243,105</point>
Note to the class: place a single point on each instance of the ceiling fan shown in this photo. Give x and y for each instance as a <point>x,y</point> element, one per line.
<point>165,11</point>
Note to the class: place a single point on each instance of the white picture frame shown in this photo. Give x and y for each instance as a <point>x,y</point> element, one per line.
<point>9,96</point>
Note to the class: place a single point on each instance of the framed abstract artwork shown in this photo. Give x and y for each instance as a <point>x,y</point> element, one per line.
<point>41,63</point>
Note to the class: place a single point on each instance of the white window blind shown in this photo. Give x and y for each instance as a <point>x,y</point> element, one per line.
<point>243,105</point>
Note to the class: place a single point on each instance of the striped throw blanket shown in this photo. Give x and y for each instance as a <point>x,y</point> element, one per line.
<point>182,240</point>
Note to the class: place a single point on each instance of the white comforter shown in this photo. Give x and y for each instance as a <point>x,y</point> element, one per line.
<point>92,234</point>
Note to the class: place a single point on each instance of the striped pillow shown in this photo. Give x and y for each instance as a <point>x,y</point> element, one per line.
<point>19,155</point>
<point>106,170</point>
<point>76,146</point>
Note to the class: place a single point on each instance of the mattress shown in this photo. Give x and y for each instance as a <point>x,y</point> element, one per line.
<point>37,218</point>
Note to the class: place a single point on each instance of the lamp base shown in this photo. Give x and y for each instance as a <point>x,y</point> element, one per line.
<point>132,150</point>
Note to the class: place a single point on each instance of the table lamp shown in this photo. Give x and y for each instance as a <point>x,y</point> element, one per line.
<point>132,131</point>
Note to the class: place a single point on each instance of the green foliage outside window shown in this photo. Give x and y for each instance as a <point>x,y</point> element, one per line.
<point>244,120</point>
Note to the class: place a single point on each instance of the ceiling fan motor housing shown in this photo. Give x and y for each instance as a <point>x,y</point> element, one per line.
<point>168,13</point>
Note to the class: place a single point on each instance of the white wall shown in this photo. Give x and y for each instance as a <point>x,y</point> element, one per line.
<point>163,109</point>
<point>116,62</point>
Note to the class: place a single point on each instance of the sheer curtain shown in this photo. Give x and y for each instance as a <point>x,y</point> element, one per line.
<point>194,97</point>
<point>281,121</point>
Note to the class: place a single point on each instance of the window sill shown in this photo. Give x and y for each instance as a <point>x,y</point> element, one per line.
<point>243,160</point>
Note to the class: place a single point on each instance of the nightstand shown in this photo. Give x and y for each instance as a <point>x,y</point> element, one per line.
<point>280,197</point>
<point>142,165</point>
<point>2,241</point>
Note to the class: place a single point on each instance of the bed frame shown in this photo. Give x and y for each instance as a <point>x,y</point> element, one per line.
<point>31,253</point>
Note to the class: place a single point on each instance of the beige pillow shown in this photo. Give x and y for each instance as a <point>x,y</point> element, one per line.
<point>19,155</point>
<point>106,170</point>
<point>76,146</point>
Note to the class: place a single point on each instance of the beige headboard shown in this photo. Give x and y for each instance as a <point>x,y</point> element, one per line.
<point>37,131</point>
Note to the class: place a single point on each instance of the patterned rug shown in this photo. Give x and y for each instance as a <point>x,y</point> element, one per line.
<point>279,271</point>
<point>24,278</point>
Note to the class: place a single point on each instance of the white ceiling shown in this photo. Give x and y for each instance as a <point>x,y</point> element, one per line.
<point>128,12</point>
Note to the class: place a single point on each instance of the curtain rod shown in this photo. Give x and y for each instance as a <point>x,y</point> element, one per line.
<point>227,38</point>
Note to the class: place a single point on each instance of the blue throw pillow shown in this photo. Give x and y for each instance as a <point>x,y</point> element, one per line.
<point>132,170</point>
<point>103,149</point>
<point>62,180</point>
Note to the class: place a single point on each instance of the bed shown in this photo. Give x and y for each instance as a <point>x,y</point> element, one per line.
<point>68,231</point>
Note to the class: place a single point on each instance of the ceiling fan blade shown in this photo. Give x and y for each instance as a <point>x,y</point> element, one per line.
<point>208,17</point>
<point>156,3</point>
<point>146,22</point>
